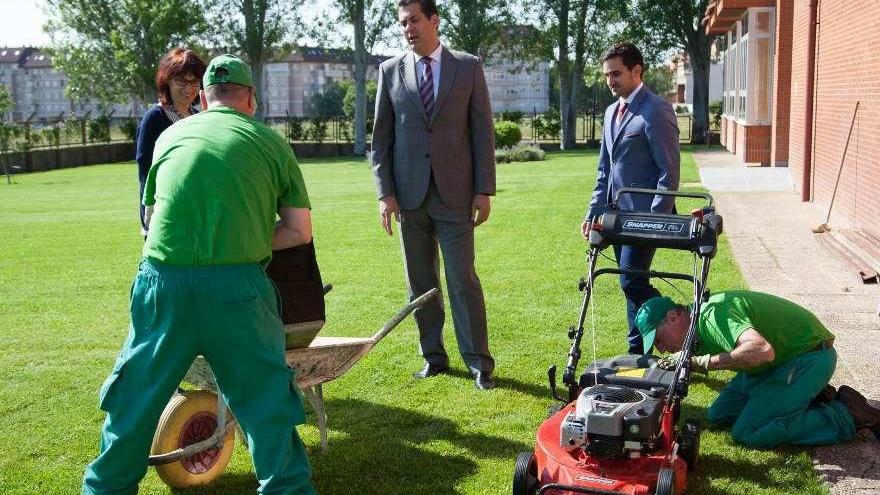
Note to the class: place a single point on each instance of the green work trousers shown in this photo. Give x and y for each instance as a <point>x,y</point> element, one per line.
<point>775,407</point>
<point>229,315</point>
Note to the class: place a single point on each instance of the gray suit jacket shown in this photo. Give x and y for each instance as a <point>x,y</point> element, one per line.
<point>641,152</point>
<point>456,143</point>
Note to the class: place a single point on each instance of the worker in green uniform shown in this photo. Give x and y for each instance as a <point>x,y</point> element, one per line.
<point>784,357</point>
<point>218,184</point>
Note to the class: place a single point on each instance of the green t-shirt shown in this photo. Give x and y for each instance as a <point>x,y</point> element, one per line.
<point>789,328</point>
<point>217,181</point>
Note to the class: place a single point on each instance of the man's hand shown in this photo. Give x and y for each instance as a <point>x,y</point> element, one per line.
<point>670,361</point>
<point>699,364</point>
<point>480,209</point>
<point>387,208</point>
<point>585,229</point>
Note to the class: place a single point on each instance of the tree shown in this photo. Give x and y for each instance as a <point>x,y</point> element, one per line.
<point>473,25</point>
<point>677,24</point>
<point>350,101</point>
<point>578,33</point>
<point>330,103</point>
<point>259,33</point>
<point>109,49</point>
<point>6,102</point>
<point>370,21</point>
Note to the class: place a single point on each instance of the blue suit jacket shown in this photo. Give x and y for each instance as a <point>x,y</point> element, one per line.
<point>640,152</point>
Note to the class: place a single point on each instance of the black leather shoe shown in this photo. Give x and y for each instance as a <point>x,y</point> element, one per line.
<point>430,370</point>
<point>483,381</point>
<point>863,414</point>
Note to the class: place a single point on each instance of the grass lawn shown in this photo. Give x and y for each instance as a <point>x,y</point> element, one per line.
<point>69,247</point>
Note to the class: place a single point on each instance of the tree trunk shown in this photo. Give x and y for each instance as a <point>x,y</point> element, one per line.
<point>565,108</point>
<point>360,80</point>
<point>257,68</point>
<point>700,63</point>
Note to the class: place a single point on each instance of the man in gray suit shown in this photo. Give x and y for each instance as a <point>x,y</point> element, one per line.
<point>639,149</point>
<point>434,165</point>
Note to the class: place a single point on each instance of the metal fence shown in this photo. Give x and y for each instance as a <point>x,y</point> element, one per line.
<point>64,132</point>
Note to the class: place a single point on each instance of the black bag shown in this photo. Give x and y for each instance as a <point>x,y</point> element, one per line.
<point>295,273</point>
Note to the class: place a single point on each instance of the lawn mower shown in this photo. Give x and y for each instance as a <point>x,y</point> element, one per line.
<point>615,432</point>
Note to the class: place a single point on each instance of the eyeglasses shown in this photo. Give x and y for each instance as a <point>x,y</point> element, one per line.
<point>189,81</point>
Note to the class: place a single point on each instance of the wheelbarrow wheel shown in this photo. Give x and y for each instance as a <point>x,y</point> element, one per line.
<point>525,475</point>
<point>665,482</point>
<point>188,418</point>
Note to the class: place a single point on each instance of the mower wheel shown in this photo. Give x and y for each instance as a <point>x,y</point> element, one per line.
<point>525,475</point>
<point>188,418</point>
<point>665,482</point>
<point>689,443</point>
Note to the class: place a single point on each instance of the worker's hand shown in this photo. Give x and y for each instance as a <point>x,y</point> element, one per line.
<point>480,209</point>
<point>388,208</point>
<point>670,361</point>
<point>700,364</point>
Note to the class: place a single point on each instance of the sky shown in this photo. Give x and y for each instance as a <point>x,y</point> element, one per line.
<point>22,23</point>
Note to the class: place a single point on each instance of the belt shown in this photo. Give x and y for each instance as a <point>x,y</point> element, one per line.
<point>821,346</point>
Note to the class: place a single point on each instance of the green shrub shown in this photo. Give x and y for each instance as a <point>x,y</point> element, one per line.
<point>514,116</point>
<point>295,130</point>
<point>51,134</point>
<point>507,134</point>
<point>99,129</point>
<point>129,128</point>
<point>520,153</point>
<point>317,130</point>
<point>548,125</point>
<point>715,111</point>
<point>681,110</point>
<point>527,153</point>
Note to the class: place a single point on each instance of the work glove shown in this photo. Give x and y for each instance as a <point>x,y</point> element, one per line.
<point>699,364</point>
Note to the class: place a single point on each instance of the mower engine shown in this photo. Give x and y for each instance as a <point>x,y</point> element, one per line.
<point>614,422</point>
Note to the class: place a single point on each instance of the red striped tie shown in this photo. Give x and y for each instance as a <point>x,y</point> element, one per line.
<point>426,87</point>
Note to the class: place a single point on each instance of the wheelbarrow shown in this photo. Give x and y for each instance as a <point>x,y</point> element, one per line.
<point>196,434</point>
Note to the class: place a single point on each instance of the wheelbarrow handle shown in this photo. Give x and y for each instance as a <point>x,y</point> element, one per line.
<point>403,313</point>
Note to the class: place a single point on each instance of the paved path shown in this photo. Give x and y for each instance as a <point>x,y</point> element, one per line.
<point>768,228</point>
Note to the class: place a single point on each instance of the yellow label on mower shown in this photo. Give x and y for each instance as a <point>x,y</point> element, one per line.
<point>632,372</point>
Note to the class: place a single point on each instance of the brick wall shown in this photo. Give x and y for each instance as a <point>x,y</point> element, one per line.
<point>800,18</point>
<point>753,144</point>
<point>847,62</point>
<point>782,83</point>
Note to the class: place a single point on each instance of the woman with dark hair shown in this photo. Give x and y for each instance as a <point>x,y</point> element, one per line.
<point>177,85</point>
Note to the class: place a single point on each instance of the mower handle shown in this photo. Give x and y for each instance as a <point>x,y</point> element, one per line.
<point>659,192</point>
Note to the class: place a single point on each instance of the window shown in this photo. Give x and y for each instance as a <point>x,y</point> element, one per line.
<point>743,68</point>
<point>748,68</point>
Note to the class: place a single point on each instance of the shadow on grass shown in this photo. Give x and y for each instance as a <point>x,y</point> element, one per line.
<point>381,449</point>
<point>386,449</point>
<point>506,383</point>
<point>714,471</point>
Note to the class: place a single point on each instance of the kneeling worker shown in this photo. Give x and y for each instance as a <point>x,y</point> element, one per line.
<point>784,357</point>
<point>218,180</point>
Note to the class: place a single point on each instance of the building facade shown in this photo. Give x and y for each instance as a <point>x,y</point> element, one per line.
<point>683,77</point>
<point>37,89</point>
<point>793,72</point>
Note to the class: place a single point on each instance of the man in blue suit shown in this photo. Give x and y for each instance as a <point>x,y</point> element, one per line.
<point>639,149</point>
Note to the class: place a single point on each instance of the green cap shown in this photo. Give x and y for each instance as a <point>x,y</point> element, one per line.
<point>649,316</point>
<point>228,69</point>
